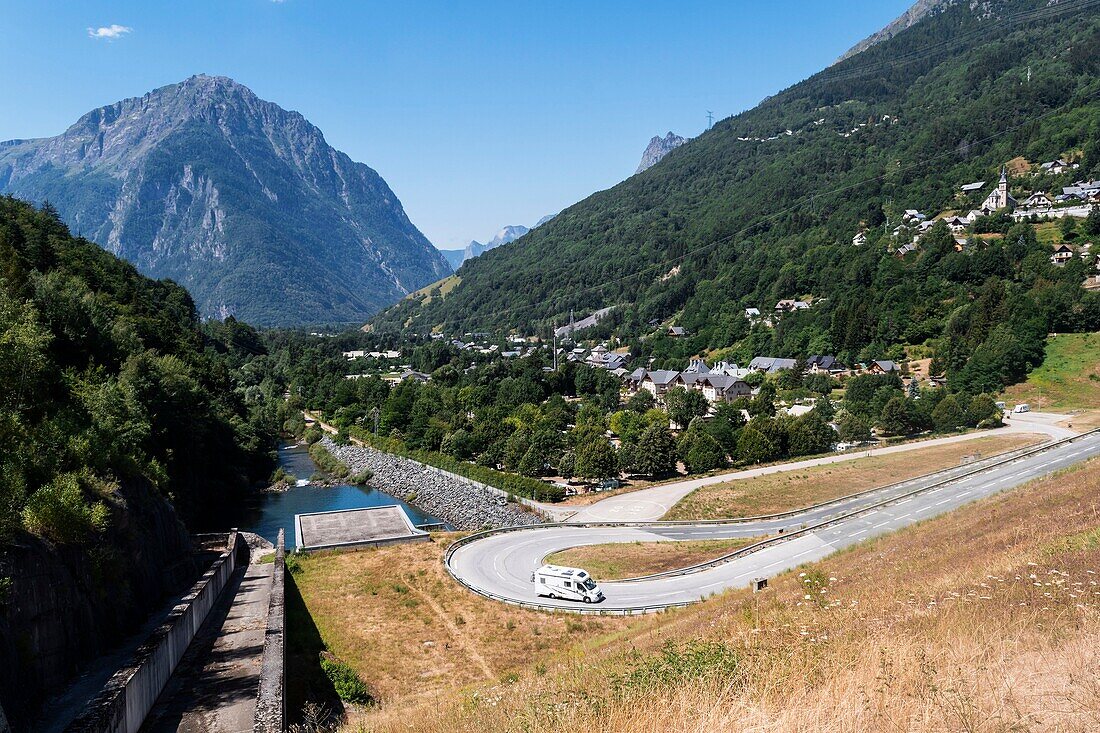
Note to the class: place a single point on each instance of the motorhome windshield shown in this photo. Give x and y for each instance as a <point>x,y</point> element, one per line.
<point>589,584</point>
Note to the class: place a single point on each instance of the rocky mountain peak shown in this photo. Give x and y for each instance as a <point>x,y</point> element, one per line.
<point>507,234</point>
<point>658,148</point>
<point>204,182</point>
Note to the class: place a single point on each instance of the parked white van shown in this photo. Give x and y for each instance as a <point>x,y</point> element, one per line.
<point>571,584</point>
<point>1022,407</point>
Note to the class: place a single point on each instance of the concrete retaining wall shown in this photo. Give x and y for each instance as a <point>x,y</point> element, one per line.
<point>271,699</point>
<point>128,696</point>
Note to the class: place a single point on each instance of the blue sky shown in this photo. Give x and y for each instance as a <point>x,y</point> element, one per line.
<point>477,114</point>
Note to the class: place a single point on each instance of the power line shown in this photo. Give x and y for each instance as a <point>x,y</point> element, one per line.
<point>798,204</point>
<point>1044,13</point>
<point>828,76</point>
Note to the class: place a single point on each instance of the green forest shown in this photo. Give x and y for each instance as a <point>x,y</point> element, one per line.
<point>511,421</point>
<point>723,223</point>
<point>111,377</point>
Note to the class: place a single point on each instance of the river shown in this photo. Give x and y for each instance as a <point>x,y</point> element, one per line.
<point>275,510</point>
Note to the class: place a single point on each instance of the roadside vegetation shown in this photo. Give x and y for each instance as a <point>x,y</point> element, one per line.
<point>959,623</point>
<point>780,492</point>
<point>618,560</point>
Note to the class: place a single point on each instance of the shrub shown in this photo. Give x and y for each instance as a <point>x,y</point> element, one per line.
<point>281,474</point>
<point>678,664</point>
<point>349,687</point>
<point>361,478</point>
<point>59,512</point>
<point>328,463</point>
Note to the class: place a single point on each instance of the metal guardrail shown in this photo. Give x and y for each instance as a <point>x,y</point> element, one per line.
<point>996,461</point>
<point>739,520</point>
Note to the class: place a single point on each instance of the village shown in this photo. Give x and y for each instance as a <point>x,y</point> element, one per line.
<point>723,382</point>
<point>1076,201</point>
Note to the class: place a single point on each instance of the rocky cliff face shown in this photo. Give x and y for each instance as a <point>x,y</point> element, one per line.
<point>658,148</point>
<point>908,19</point>
<point>237,199</point>
<point>64,607</point>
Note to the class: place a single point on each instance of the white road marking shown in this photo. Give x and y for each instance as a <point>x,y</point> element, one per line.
<point>500,564</point>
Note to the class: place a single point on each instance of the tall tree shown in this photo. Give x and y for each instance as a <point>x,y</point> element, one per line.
<point>656,452</point>
<point>596,459</point>
<point>684,405</point>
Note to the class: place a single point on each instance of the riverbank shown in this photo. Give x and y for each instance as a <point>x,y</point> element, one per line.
<point>274,510</point>
<point>465,505</point>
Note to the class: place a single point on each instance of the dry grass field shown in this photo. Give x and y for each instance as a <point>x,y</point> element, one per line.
<point>984,620</point>
<point>779,492</point>
<point>618,560</point>
<point>400,621</point>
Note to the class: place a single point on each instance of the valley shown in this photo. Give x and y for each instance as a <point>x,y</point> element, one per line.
<point>794,428</point>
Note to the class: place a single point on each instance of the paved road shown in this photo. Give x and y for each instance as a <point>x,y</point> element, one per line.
<point>502,564</point>
<point>649,505</point>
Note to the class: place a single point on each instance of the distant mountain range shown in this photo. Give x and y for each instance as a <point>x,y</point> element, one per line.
<point>658,148</point>
<point>242,202</point>
<point>475,248</point>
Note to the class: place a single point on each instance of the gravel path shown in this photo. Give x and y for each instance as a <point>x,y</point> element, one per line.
<point>463,504</point>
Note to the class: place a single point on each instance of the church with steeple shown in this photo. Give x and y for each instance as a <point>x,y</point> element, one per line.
<point>999,198</point>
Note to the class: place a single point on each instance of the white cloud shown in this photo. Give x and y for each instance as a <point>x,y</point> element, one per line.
<point>110,32</point>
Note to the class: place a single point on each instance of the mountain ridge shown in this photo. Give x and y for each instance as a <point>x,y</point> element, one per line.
<point>764,206</point>
<point>505,235</point>
<point>241,201</point>
<point>913,15</point>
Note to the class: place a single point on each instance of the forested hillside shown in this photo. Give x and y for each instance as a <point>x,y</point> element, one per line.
<point>115,407</point>
<point>107,374</point>
<point>764,207</point>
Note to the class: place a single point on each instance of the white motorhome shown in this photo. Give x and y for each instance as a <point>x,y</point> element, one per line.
<point>571,584</point>
<point>1022,407</point>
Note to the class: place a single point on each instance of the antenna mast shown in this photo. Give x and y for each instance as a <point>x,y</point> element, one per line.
<point>710,119</point>
<point>554,331</point>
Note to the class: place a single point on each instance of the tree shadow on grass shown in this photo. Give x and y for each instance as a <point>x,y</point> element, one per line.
<point>306,682</point>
